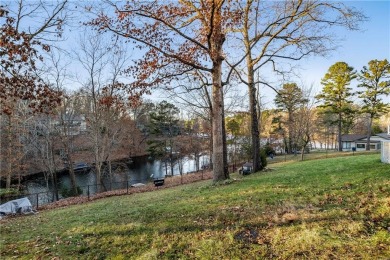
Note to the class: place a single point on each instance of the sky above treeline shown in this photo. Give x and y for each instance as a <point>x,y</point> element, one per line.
<point>356,48</point>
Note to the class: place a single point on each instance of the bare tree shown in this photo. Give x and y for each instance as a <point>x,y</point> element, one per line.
<point>305,122</point>
<point>178,38</point>
<point>193,94</point>
<point>278,31</point>
<point>105,99</point>
<point>27,27</point>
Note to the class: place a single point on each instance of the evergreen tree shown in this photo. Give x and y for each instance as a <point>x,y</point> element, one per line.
<point>164,126</point>
<point>290,98</point>
<point>375,82</point>
<point>336,94</point>
<point>164,120</point>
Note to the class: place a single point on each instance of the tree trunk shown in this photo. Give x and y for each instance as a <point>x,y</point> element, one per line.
<point>197,157</point>
<point>110,173</point>
<point>216,40</point>
<point>254,121</point>
<point>70,165</point>
<point>72,175</point>
<point>285,144</point>
<point>98,171</point>
<point>218,140</point>
<point>211,145</point>
<point>166,167</point>
<point>225,159</point>
<point>97,160</point>
<point>368,148</point>
<point>252,97</point>
<point>9,153</point>
<point>55,185</point>
<point>340,148</point>
<point>171,156</point>
<point>290,132</point>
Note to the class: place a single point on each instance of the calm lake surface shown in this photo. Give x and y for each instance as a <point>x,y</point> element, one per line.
<point>140,171</point>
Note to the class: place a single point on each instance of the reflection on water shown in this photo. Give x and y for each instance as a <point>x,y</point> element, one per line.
<point>141,171</point>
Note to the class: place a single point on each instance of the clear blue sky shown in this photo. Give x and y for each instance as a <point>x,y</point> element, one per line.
<point>357,47</point>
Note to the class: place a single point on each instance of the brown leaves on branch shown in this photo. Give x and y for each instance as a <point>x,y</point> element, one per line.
<point>174,38</point>
<point>18,78</point>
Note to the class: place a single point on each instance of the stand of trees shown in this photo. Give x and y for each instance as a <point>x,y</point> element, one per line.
<point>336,95</point>
<point>184,47</point>
<point>190,36</point>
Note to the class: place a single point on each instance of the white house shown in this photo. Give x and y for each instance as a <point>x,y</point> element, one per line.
<point>75,124</point>
<point>385,152</point>
<point>359,142</point>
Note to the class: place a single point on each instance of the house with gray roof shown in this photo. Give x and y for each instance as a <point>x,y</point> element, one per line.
<point>359,142</point>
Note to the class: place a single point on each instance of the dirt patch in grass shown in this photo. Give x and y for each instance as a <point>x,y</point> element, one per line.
<point>249,236</point>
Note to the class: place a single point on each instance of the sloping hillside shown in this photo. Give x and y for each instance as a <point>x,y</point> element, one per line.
<point>333,208</point>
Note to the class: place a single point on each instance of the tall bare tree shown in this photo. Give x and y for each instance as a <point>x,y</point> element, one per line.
<point>278,32</point>
<point>21,41</point>
<point>178,38</point>
<point>105,100</point>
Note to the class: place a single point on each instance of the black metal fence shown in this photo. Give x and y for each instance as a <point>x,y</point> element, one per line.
<point>42,198</point>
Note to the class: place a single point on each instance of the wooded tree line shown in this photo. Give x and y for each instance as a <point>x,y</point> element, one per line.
<point>338,106</point>
<point>197,51</point>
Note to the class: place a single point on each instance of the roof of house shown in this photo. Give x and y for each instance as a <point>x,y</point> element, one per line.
<point>384,135</point>
<point>356,137</point>
<point>352,137</point>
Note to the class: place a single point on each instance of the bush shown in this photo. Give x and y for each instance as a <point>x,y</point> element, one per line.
<point>268,150</point>
<point>68,192</point>
<point>9,192</point>
<point>263,158</point>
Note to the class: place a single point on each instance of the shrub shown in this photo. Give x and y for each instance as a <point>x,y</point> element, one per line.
<point>68,192</point>
<point>9,192</point>
<point>263,158</point>
<point>268,149</point>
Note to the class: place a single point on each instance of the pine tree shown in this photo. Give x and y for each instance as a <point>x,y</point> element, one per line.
<point>290,98</point>
<point>164,126</point>
<point>375,82</point>
<point>336,94</point>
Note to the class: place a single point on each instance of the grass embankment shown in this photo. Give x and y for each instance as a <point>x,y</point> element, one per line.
<point>335,208</point>
<point>316,154</point>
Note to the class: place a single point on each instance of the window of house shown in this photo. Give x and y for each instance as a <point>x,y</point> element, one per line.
<point>347,145</point>
<point>360,145</point>
<point>372,146</point>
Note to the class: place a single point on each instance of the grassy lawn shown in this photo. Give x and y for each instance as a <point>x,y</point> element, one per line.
<point>336,208</point>
<point>316,154</point>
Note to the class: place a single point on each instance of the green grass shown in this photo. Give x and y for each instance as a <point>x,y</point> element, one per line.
<point>316,154</point>
<point>333,208</point>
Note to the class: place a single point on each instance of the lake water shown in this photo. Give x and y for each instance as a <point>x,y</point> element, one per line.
<point>140,171</point>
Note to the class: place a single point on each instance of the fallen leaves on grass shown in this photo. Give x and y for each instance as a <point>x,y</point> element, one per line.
<point>169,182</point>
